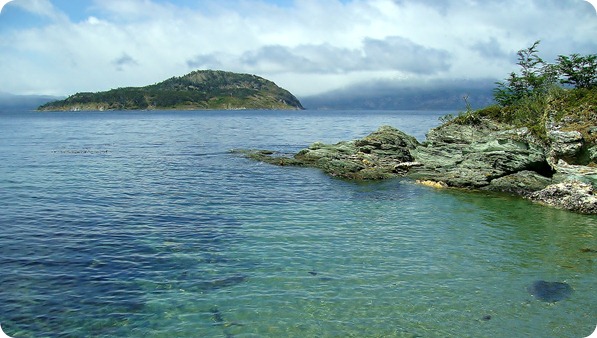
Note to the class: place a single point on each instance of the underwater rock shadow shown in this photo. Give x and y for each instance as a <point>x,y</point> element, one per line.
<point>211,284</point>
<point>550,292</point>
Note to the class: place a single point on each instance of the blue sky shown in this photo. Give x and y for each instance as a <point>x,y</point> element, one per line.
<point>59,47</point>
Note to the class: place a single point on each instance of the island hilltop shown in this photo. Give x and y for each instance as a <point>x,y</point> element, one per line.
<point>539,141</point>
<point>203,89</point>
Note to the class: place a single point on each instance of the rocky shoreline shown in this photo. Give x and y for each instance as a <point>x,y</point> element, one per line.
<point>483,156</point>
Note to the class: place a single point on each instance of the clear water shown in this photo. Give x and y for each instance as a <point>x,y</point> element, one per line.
<point>144,224</point>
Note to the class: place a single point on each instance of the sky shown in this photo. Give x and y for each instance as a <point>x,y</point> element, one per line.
<point>60,47</point>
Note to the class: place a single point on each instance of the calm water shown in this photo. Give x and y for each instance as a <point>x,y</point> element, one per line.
<point>145,225</point>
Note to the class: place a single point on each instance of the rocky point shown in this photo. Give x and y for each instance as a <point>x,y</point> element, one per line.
<point>483,156</point>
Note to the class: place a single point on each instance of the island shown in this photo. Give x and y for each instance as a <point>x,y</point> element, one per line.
<point>539,141</point>
<point>199,90</point>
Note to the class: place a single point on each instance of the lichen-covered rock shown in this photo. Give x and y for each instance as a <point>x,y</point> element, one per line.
<point>452,133</point>
<point>570,195</point>
<point>433,184</point>
<point>473,156</point>
<point>564,145</point>
<point>388,138</point>
<point>577,172</point>
<point>592,153</point>
<point>521,183</point>
<point>487,156</point>
<point>383,154</point>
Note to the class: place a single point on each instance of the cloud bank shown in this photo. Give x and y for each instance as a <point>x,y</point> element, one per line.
<point>305,46</point>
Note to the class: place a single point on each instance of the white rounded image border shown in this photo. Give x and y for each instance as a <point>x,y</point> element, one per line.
<point>2,4</point>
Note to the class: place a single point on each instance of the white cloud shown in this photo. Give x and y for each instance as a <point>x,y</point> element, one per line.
<point>42,8</point>
<point>308,47</point>
<point>390,54</point>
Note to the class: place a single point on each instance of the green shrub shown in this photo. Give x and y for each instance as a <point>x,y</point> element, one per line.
<point>536,76</point>
<point>493,112</point>
<point>526,99</point>
<point>578,71</point>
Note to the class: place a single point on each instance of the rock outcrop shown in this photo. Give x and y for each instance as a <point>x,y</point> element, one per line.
<point>383,154</point>
<point>486,155</point>
<point>570,195</point>
<point>565,145</point>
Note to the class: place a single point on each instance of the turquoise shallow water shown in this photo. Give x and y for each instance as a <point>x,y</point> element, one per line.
<point>145,224</point>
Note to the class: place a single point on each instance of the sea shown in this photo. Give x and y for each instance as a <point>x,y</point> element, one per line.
<point>150,224</point>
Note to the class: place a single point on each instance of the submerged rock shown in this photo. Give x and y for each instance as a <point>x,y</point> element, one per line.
<point>550,292</point>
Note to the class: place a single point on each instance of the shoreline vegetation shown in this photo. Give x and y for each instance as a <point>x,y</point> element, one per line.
<point>539,141</point>
<point>199,90</point>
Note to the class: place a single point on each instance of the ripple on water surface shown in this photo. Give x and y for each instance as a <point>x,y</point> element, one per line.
<point>145,225</point>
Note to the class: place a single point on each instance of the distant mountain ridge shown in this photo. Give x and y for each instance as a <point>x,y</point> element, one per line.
<point>441,95</point>
<point>202,89</point>
<point>13,103</point>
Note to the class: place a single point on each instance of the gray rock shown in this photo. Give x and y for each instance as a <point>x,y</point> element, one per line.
<point>452,133</point>
<point>564,145</point>
<point>376,156</point>
<point>557,136</point>
<point>582,173</point>
<point>520,183</point>
<point>474,156</point>
<point>570,195</point>
<point>487,155</point>
<point>592,152</point>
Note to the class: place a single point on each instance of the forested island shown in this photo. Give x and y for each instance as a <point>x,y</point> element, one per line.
<point>203,89</point>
